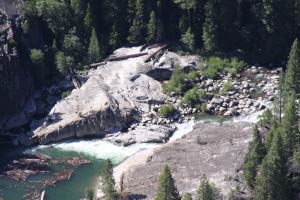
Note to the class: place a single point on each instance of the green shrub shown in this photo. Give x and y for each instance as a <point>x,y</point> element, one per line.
<point>227,87</point>
<point>202,107</point>
<point>167,110</point>
<point>202,94</point>
<point>12,43</point>
<point>65,94</point>
<point>192,75</point>
<point>191,97</point>
<point>176,83</point>
<point>216,65</point>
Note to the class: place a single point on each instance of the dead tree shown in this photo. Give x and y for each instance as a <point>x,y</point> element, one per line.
<point>157,54</point>
<point>76,81</point>
<point>117,58</point>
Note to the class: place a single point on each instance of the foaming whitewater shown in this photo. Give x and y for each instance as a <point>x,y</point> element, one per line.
<point>100,149</point>
<point>182,129</point>
<point>253,117</point>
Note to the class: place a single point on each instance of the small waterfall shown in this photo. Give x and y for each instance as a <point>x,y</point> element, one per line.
<point>253,117</point>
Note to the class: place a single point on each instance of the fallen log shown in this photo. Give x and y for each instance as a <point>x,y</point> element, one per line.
<point>117,58</point>
<point>43,195</point>
<point>157,53</point>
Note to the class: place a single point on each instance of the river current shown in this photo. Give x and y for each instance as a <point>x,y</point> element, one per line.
<point>86,176</point>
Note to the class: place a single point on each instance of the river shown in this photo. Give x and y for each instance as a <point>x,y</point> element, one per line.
<point>86,176</point>
<point>94,150</point>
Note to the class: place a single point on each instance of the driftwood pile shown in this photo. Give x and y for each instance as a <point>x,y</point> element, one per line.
<point>21,169</point>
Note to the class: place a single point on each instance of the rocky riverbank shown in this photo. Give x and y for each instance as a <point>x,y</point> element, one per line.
<point>210,149</point>
<point>126,95</point>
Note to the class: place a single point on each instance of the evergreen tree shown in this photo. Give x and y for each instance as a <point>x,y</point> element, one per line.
<point>278,105</point>
<point>108,187</point>
<point>63,62</point>
<point>88,20</point>
<point>131,11</point>
<point>189,39</point>
<point>183,25</point>
<point>254,157</point>
<point>205,190</point>
<point>210,27</point>
<point>187,5</point>
<point>160,30</point>
<point>197,22</point>
<point>293,70</point>
<point>296,16</point>
<point>166,189</point>
<point>137,30</point>
<point>290,125</point>
<point>270,136</point>
<point>187,196</point>
<point>151,27</point>
<point>266,119</point>
<point>276,17</point>
<point>114,39</point>
<point>94,53</point>
<point>77,7</point>
<point>72,46</point>
<point>272,182</point>
<point>117,13</point>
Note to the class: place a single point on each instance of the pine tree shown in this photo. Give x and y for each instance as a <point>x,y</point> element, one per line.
<point>270,136</point>
<point>131,11</point>
<point>296,16</point>
<point>290,125</point>
<point>210,27</point>
<point>137,29</point>
<point>94,53</point>
<point>114,39</point>
<point>187,5</point>
<point>188,39</point>
<point>77,7</point>
<point>293,70</point>
<point>278,105</point>
<point>108,187</point>
<point>88,20</point>
<point>197,22</point>
<point>151,28</point>
<point>205,190</point>
<point>187,196</point>
<point>266,119</point>
<point>272,182</point>
<point>254,157</point>
<point>295,170</point>
<point>166,189</point>
<point>160,29</point>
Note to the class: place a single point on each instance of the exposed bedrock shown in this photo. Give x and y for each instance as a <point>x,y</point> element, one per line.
<point>210,149</point>
<point>114,95</point>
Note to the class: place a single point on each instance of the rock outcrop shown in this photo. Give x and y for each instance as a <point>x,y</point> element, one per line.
<point>149,133</point>
<point>210,149</point>
<point>16,83</point>
<point>115,95</point>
